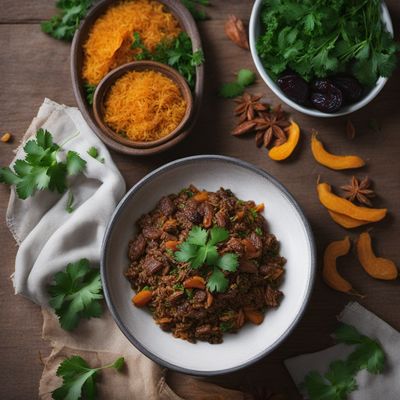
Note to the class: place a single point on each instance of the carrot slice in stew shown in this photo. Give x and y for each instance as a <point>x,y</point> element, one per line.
<point>195,282</point>
<point>254,316</point>
<point>201,196</point>
<point>142,298</point>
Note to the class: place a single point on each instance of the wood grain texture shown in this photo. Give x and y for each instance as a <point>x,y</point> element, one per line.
<point>34,66</point>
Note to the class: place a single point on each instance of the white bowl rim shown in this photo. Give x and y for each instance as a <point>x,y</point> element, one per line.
<point>254,21</point>
<point>148,178</point>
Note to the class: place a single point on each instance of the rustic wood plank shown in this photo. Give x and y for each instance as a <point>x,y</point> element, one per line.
<point>34,66</point>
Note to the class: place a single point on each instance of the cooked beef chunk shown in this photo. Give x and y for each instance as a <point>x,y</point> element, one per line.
<point>166,206</point>
<point>137,247</point>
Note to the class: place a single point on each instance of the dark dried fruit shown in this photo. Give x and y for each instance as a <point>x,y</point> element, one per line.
<point>321,85</point>
<point>295,88</point>
<point>328,102</point>
<point>350,88</point>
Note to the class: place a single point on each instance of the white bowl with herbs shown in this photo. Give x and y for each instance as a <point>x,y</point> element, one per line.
<point>323,60</point>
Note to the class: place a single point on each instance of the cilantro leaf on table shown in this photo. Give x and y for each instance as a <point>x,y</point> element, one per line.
<point>177,53</point>
<point>200,249</point>
<point>70,203</point>
<point>79,378</point>
<point>41,170</point>
<point>192,6</point>
<point>245,77</point>
<point>75,293</point>
<point>339,380</point>
<point>64,25</point>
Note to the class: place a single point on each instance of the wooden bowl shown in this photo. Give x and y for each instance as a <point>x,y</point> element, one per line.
<point>187,24</point>
<point>105,84</point>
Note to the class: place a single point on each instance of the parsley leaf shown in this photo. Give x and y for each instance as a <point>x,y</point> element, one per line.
<point>200,249</point>
<point>217,281</point>
<point>340,380</point>
<point>75,293</point>
<point>79,379</point>
<point>318,39</point>
<point>192,6</point>
<point>64,25</point>
<point>41,170</point>
<point>177,53</point>
<point>93,152</point>
<point>244,78</point>
<point>89,92</point>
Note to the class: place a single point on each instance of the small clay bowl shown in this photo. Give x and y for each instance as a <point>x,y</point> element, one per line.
<point>106,83</point>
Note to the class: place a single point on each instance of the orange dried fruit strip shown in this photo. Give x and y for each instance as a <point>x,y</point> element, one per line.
<point>282,152</point>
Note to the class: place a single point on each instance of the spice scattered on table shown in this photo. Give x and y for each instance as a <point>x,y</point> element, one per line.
<point>236,32</point>
<point>144,106</point>
<point>359,190</point>
<point>6,137</point>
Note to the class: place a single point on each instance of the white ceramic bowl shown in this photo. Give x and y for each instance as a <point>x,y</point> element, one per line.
<point>254,33</point>
<point>285,220</point>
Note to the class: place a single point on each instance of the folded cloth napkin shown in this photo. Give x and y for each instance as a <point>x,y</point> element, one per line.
<point>370,387</point>
<point>50,237</point>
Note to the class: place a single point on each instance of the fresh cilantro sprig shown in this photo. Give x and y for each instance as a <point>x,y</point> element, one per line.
<point>192,6</point>
<point>177,53</point>
<point>200,249</point>
<point>64,25</point>
<point>89,92</point>
<point>318,39</point>
<point>79,380</point>
<point>244,78</point>
<point>340,380</point>
<point>75,294</point>
<point>41,168</point>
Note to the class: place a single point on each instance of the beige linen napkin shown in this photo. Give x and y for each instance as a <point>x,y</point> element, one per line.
<point>370,387</point>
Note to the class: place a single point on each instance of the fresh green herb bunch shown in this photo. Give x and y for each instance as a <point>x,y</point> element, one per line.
<point>79,379</point>
<point>41,168</point>
<point>64,25</point>
<point>76,293</point>
<point>177,53</point>
<point>200,249</point>
<point>326,37</point>
<point>340,380</point>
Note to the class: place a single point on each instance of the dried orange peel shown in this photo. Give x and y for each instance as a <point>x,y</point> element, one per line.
<point>279,153</point>
<point>331,160</point>
<point>330,274</point>
<point>342,206</point>
<point>377,267</point>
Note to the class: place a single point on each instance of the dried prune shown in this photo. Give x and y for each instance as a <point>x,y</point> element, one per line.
<point>349,86</point>
<point>328,102</point>
<point>294,87</point>
<point>321,85</point>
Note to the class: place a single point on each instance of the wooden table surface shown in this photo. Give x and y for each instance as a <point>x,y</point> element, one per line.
<point>34,66</point>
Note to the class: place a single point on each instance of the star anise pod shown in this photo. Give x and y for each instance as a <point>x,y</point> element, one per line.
<point>359,190</point>
<point>271,125</point>
<point>248,107</point>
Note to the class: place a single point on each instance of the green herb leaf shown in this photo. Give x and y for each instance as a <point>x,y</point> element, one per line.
<point>230,90</point>
<point>197,236</point>
<point>228,262</point>
<point>70,202</point>
<point>41,170</point>
<point>64,25</point>
<point>75,293</point>
<point>245,77</point>
<point>218,235</point>
<point>192,6</point>
<point>217,281</point>
<point>89,92</point>
<point>93,152</point>
<point>79,379</point>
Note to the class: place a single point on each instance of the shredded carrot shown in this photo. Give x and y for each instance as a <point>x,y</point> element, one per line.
<point>144,106</point>
<point>111,36</point>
